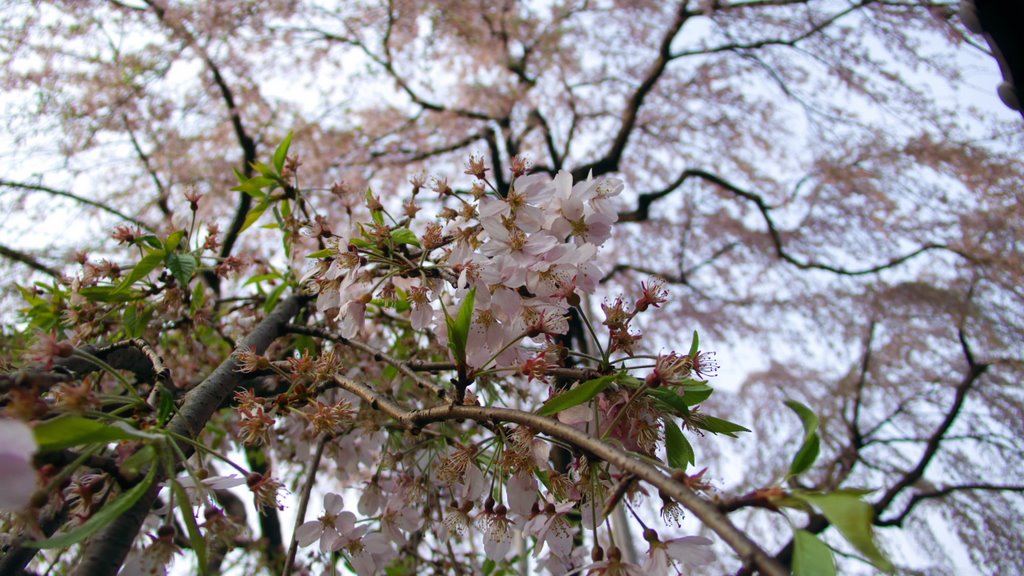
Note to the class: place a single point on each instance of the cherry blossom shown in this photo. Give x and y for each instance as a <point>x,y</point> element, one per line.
<point>17,475</point>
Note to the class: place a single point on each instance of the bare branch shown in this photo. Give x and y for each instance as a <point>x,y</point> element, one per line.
<point>642,213</point>
<point>610,161</point>
<point>916,499</point>
<point>27,260</point>
<point>76,198</point>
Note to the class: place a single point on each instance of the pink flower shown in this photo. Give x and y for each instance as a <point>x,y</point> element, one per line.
<point>17,475</point>
<point>334,529</point>
<point>690,551</point>
<point>550,526</point>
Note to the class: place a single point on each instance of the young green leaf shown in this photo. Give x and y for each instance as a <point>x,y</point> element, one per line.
<point>672,401</point>
<point>811,445</point>
<point>282,152</point>
<point>404,236</point>
<point>148,263</point>
<point>458,327</point>
<point>67,431</point>
<point>195,537</point>
<point>172,242</point>
<point>853,517</point>
<point>182,266</point>
<point>254,186</point>
<point>718,426</point>
<point>677,447</point>
<point>254,214</point>
<point>322,253</point>
<point>811,556</point>
<point>694,345</point>
<point>100,519</point>
<point>582,393</point>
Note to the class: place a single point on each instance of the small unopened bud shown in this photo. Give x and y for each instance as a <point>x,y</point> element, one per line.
<point>597,554</point>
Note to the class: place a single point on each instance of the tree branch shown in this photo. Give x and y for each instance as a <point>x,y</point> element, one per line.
<point>749,552</point>
<point>76,198</point>
<point>642,213</point>
<point>610,161</point>
<point>27,260</point>
<point>106,551</point>
<point>916,499</point>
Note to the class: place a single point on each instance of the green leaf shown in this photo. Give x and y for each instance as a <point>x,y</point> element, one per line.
<point>198,297</point>
<point>172,242</point>
<point>811,556</point>
<point>811,445</point>
<point>695,392</point>
<point>109,294</point>
<point>142,457</point>
<point>458,327</point>
<point>265,170</point>
<point>806,456</point>
<point>151,241</point>
<point>273,297</point>
<point>322,253</point>
<point>144,267</point>
<point>262,278</point>
<point>136,319</point>
<point>718,426</point>
<point>182,266</point>
<point>582,393</point>
<point>67,431</point>
<point>671,401</point>
<point>254,186</point>
<point>254,214</point>
<point>694,345</point>
<point>282,152</point>
<point>853,517</point>
<point>166,406</point>
<point>404,236</point>
<point>195,537</point>
<point>100,519</point>
<point>677,447</point>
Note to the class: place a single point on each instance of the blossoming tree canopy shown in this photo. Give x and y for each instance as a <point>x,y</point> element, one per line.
<point>534,438</point>
<point>406,287</point>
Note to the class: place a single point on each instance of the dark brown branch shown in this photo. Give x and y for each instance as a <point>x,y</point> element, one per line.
<point>916,499</point>
<point>642,213</point>
<point>610,161</point>
<point>106,551</point>
<point>974,371</point>
<point>76,198</point>
<point>147,163</point>
<point>244,140</point>
<point>27,260</point>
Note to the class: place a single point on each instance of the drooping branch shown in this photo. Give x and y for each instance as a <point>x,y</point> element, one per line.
<point>642,213</point>
<point>748,551</point>
<point>974,371</point>
<point>106,551</point>
<point>916,499</point>
<point>76,198</point>
<point>27,260</point>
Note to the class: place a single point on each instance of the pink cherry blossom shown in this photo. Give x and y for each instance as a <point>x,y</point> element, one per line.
<point>17,475</point>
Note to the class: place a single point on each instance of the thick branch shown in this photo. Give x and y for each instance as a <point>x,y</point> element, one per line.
<point>106,551</point>
<point>610,161</point>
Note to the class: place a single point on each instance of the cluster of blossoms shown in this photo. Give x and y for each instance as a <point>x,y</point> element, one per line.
<point>528,255</point>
